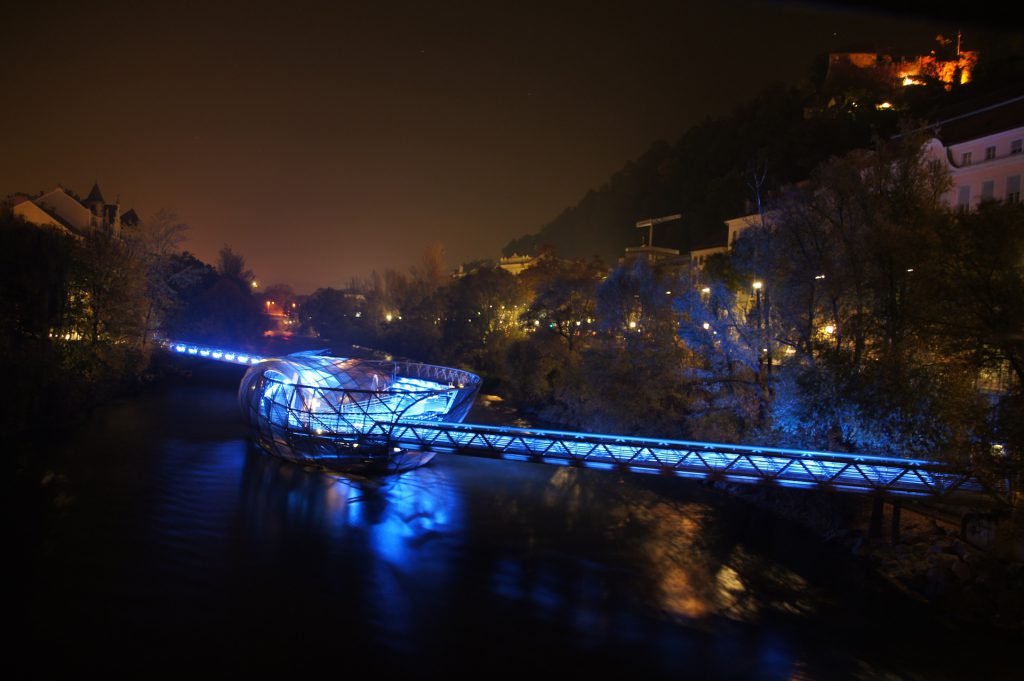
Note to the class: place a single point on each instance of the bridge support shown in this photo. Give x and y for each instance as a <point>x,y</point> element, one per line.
<point>875,524</point>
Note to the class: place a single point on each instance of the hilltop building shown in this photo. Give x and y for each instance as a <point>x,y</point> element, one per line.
<point>62,209</point>
<point>876,69</point>
<point>515,264</point>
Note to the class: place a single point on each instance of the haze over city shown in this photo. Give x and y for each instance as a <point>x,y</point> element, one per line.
<point>325,140</point>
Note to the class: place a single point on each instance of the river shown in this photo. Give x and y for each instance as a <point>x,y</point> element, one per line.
<point>154,538</point>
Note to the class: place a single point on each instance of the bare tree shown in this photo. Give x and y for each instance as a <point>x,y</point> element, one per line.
<point>157,240</point>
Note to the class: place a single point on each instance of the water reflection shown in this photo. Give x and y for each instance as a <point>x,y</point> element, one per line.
<point>400,514</point>
<point>388,540</point>
<point>183,537</point>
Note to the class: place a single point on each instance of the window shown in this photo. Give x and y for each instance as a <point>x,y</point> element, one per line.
<point>1016,146</point>
<point>990,153</point>
<point>1013,189</point>
<point>963,197</point>
<point>965,160</point>
<point>988,190</point>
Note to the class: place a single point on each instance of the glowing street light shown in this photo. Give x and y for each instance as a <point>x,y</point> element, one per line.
<point>758,285</point>
<point>255,283</point>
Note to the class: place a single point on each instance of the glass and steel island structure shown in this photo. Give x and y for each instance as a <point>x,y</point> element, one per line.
<point>340,413</point>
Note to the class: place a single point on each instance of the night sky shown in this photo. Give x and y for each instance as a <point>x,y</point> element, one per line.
<point>323,140</point>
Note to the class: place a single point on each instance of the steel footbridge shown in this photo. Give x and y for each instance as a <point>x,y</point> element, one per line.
<point>325,410</point>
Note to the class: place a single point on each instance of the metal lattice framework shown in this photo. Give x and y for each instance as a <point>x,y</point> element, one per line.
<point>329,410</point>
<point>334,411</point>
<point>732,463</point>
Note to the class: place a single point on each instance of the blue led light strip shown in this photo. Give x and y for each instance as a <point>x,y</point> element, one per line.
<point>210,352</point>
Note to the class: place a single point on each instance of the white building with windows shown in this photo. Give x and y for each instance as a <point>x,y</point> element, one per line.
<point>984,152</point>
<point>983,149</point>
<point>734,228</point>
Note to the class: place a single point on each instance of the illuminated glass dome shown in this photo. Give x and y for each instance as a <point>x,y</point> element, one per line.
<point>339,412</point>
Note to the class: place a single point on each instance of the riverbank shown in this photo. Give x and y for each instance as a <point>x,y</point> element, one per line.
<point>969,584</point>
<point>930,560</point>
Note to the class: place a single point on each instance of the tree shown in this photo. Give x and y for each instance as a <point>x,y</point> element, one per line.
<point>634,300</point>
<point>158,239</point>
<point>975,310</point>
<point>975,287</point>
<point>232,266</point>
<point>564,297</point>
<point>846,268</point>
<point>35,269</point>
<point>332,314</point>
<point>481,311</point>
<point>109,288</point>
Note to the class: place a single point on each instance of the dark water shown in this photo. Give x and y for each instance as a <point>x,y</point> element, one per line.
<point>155,540</point>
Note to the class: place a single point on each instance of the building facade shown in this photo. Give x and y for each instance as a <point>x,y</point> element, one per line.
<point>61,209</point>
<point>984,153</point>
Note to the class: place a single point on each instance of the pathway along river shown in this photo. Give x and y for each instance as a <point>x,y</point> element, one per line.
<point>155,538</point>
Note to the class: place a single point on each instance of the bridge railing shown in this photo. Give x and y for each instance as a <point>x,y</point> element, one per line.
<point>734,463</point>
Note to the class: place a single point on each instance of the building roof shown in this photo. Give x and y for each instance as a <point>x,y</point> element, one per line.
<point>981,122</point>
<point>130,218</point>
<point>95,194</point>
<point>53,215</point>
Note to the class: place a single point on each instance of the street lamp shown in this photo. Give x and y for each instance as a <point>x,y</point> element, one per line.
<point>765,356</point>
